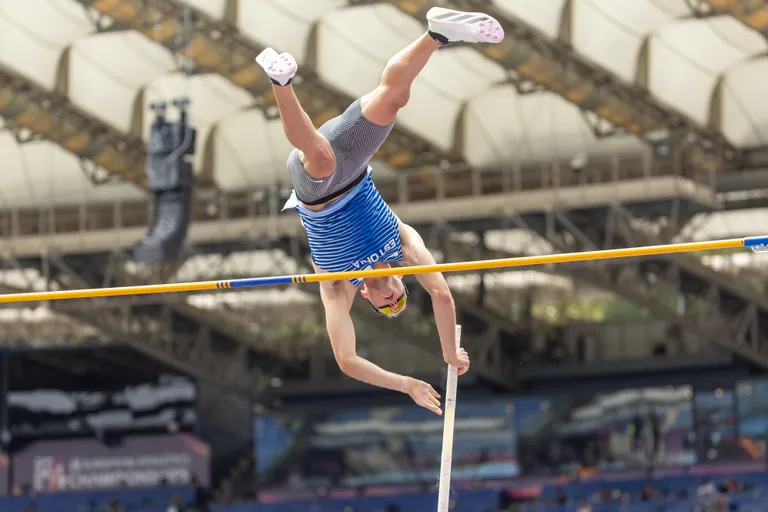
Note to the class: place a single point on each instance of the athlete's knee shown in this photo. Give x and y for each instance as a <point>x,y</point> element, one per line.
<point>382,105</point>
<point>395,96</point>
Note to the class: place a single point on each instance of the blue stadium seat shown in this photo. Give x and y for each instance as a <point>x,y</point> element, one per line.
<point>754,500</point>
<point>470,501</point>
<point>131,499</point>
<point>673,484</point>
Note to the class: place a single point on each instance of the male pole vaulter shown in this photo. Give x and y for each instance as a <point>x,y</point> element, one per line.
<point>348,224</point>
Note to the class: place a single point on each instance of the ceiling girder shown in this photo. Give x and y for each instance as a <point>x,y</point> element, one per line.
<point>216,46</point>
<point>188,352</point>
<point>752,13</point>
<point>554,65</point>
<point>49,115</point>
<point>722,309</point>
<point>621,279</point>
<point>244,221</point>
<point>206,344</point>
<point>202,342</point>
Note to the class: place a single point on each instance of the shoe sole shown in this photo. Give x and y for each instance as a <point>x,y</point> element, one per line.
<point>275,66</point>
<point>469,27</point>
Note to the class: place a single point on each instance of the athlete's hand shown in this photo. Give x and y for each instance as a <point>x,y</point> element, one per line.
<point>424,395</point>
<point>460,359</point>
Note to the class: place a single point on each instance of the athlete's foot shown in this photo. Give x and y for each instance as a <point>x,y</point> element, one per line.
<point>280,68</point>
<point>449,26</point>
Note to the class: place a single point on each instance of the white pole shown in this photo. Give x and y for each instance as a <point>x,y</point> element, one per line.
<point>446,456</point>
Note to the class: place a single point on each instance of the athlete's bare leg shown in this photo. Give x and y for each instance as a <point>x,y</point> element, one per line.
<point>445,26</point>
<point>318,157</point>
<point>382,104</point>
<point>316,153</point>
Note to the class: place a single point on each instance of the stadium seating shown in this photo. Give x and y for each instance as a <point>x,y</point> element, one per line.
<point>471,501</point>
<point>681,492</point>
<point>673,484</point>
<point>133,500</point>
<point>159,499</point>
<point>746,502</point>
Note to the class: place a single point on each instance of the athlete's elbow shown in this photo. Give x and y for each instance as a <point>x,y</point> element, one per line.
<point>441,295</point>
<point>348,365</point>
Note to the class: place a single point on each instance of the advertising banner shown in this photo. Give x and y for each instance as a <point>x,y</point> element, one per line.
<point>87,464</point>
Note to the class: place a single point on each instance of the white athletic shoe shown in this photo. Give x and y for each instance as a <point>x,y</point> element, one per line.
<point>449,26</point>
<point>280,68</point>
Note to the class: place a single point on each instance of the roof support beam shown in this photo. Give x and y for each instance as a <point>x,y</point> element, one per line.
<point>216,46</point>
<point>49,115</point>
<point>752,13</point>
<point>724,310</point>
<point>96,231</point>
<point>553,65</point>
<point>176,334</point>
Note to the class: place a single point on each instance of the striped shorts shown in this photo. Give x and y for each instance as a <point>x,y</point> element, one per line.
<point>354,232</point>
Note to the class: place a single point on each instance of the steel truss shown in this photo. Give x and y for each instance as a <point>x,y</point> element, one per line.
<point>539,62</point>
<point>232,350</point>
<point>683,292</point>
<point>196,348</point>
<point>724,309</point>
<point>752,13</point>
<point>33,113</point>
<point>210,345</point>
<point>496,344</point>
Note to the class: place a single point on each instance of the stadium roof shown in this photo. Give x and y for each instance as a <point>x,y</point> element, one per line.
<point>704,70</point>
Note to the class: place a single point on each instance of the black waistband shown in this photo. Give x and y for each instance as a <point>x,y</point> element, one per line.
<point>338,193</point>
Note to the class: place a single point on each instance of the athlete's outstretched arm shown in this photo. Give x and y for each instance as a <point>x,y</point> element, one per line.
<point>343,341</point>
<point>415,252</point>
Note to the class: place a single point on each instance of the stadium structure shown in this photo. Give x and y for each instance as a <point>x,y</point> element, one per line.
<point>142,144</point>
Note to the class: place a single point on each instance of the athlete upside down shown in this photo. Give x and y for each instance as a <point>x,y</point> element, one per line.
<point>348,224</point>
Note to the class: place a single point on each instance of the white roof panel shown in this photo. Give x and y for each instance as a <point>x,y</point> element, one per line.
<point>107,71</point>
<point>43,174</point>
<point>693,65</point>
<point>612,33</point>
<point>688,57</point>
<point>545,16</point>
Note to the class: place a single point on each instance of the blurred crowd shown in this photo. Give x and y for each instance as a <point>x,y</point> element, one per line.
<point>201,501</point>
<point>708,496</point>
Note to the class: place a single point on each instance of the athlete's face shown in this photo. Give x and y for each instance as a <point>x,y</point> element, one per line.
<point>384,292</point>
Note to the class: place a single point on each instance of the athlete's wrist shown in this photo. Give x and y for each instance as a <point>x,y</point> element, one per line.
<point>405,384</point>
